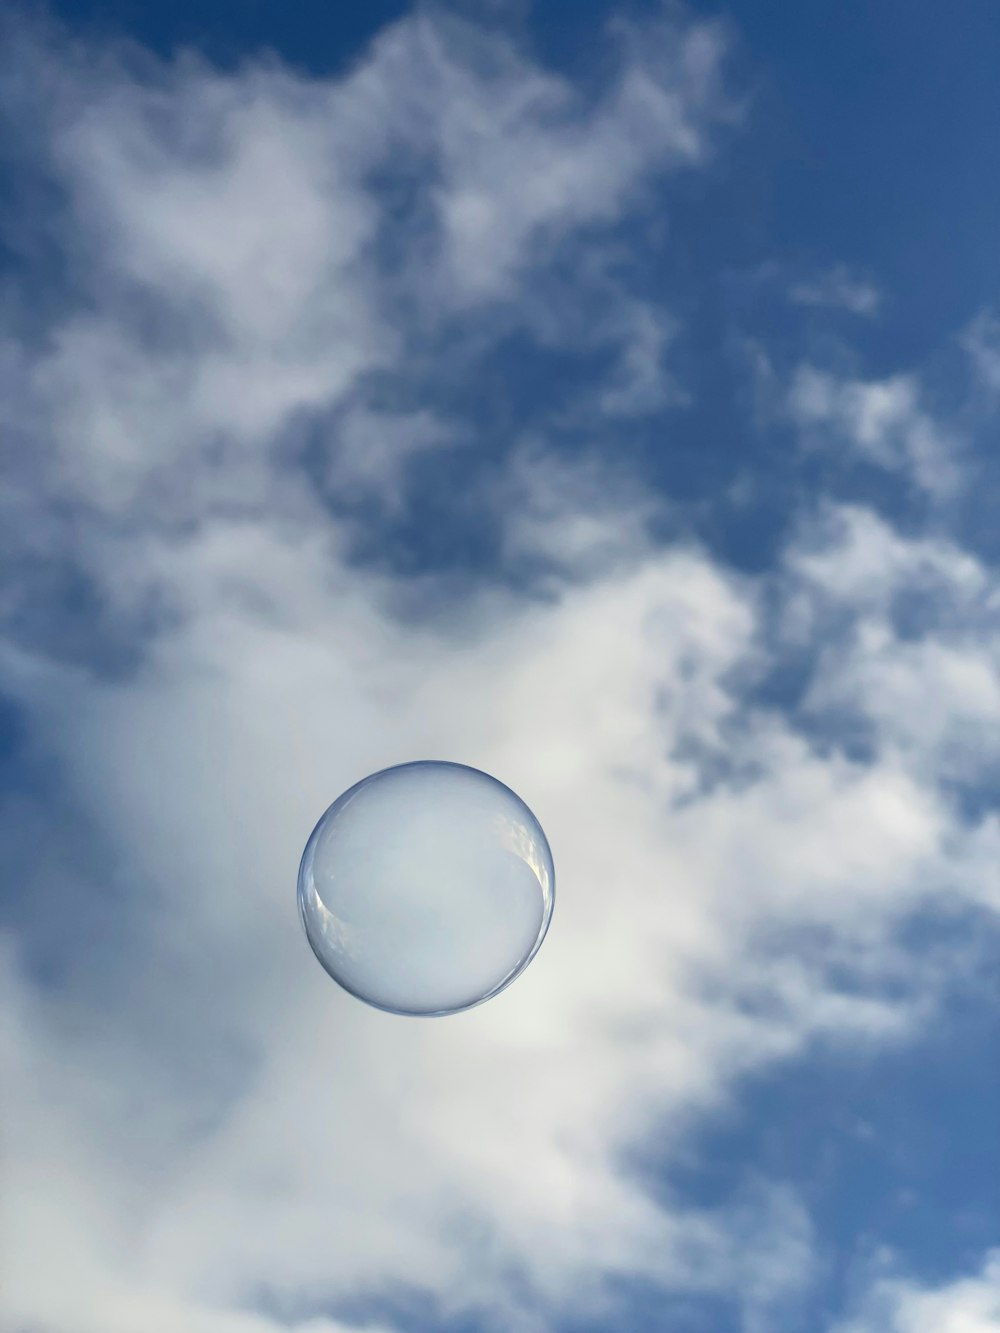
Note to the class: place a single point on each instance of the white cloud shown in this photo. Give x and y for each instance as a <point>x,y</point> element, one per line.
<point>982,342</point>
<point>523,158</point>
<point>353,1149</point>
<point>639,384</point>
<point>901,1305</point>
<point>881,420</point>
<point>838,289</point>
<point>207,771</point>
<point>854,555</point>
<point>920,658</point>
<point>574,516</point>
<point>240,266</point>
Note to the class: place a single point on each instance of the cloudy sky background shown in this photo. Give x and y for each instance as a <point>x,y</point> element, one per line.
<point>603,397</point>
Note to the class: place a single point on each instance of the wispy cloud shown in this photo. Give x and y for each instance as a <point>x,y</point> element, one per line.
<point>838,289</point>
<point>880,420</point>
<point>903,1305</point>
<point>982,342</point>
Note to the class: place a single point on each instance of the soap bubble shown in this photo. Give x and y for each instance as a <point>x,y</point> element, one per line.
<point>426,888</point>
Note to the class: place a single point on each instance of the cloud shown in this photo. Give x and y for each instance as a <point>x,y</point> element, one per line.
<point>240,261</point>
<point>838,289</point>
<point>982,342</point>
<point>253,1138</point>
<point>522,161</point>
<point>573,517</point>
<point>280,1175</point>
<point>881,421</point>
<point>901,1305</point>
<point>919,662</point>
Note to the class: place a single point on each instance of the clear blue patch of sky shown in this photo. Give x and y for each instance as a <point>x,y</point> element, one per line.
<point>315,37</point>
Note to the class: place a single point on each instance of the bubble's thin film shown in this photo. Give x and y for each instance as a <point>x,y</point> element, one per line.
<point>426,888</point>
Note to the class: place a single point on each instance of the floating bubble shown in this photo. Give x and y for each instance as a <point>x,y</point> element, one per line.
<point>426,888</point>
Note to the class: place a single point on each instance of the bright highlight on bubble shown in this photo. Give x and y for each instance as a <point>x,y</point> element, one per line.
<point>426,888</point>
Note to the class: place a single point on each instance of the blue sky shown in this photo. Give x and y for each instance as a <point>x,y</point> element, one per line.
<point>602,396</point>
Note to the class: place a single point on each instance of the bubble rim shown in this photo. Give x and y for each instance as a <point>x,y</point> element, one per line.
<point>348,795</point>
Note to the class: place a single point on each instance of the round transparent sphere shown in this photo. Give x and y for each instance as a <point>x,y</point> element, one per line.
<point>426,888</point>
